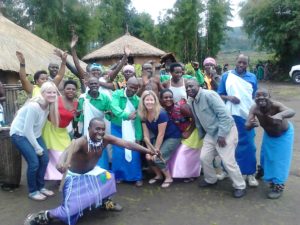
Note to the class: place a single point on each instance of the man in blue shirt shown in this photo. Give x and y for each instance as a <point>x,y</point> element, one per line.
<point>237,88</point>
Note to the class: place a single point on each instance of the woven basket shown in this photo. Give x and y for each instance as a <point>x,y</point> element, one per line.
<point>10,160</point>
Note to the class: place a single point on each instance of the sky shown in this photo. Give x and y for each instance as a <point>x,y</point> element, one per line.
<point>153,7</point>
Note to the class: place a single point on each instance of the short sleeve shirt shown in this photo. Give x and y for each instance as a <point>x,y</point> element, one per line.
<point>172,131</point>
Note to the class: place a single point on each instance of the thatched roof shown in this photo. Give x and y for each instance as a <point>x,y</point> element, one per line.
<point>37,52</point>
<point>116,49</point>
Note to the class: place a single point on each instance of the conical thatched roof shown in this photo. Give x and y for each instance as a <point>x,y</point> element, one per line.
<point>37,52</point>
<point>116,49</point>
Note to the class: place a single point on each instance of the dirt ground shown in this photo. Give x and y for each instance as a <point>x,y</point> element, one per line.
<point>185,204</point>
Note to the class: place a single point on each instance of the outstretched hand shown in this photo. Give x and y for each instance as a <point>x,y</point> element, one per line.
<point>127,50</point>
<point>74,41</point>
<point>20,57</point>
<point>62,55</point>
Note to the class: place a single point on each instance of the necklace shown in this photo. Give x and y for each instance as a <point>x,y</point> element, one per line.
<point>94,146</point>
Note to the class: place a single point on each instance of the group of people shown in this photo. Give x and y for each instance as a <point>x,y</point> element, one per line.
<point>181,123</point>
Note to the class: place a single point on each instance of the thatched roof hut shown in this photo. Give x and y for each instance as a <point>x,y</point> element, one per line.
<point>38,53</point>
<point>112,52</point>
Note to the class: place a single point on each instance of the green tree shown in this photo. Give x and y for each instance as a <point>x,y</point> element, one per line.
<point>218,13</point>
<point>275,25</point>
<point>53,20</point>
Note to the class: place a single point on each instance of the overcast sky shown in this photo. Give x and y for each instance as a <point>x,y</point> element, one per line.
<point>153,7</point>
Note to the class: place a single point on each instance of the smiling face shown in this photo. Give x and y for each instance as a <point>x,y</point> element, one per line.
<point>167,99</point>
<point>70,91</point>
<point>192,88</point>
<point>262,98</point>
<point>96,130</point>
<point>50,94</point>
<point>53,69</point>
<point>93,84</point>
<point>149,102</point>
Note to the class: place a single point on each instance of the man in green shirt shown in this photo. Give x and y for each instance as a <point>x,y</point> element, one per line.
<point>126,124</point>
<point>90,105</point>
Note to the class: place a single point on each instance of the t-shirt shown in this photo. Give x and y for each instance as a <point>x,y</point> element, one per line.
<point>172,131</point>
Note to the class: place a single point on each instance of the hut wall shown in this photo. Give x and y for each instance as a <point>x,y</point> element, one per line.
<point>9,77</point>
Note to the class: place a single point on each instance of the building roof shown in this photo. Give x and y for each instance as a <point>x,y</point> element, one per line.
<point>116,49</point>
<point>38,53</point>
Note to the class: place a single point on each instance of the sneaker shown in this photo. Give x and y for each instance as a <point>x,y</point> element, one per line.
<point>109,205</point>
<point>222,175</point>
<point>252,181</point>
<point>40,218</point>
<point>238,193</point>
<point>47,192</point>
<point>37,196</point>
<point>274,194</point>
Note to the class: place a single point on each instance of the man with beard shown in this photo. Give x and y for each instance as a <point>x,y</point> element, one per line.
<point>217,127</point>
<point>86,184</point>
<point>277,144</point>
<point>237,88</point>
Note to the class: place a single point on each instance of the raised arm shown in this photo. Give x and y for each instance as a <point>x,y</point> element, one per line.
<point>75,57</point>
<point>61,73</point>
<point>27,86</point>
<point>113,74</point>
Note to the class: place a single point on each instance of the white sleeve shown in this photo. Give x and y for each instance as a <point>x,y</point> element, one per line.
<point>31,116</point>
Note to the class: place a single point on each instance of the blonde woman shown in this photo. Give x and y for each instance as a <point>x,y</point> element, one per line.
<point>26,131</point>
<point>165,139</point>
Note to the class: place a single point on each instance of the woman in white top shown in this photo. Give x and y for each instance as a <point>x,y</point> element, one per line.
<point>26,131</point>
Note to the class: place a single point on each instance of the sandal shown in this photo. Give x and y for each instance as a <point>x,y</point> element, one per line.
<point>37,196</point>
<point>166,184</point>
<point>154,180</point>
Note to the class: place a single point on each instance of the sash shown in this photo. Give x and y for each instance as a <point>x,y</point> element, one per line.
<point>236,86</point>
<point>128,131</point>
<point>89,112</point>
<point>103,89</point>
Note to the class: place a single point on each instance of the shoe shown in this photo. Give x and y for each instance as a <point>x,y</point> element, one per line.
<point>202,183</point>
<point>188,180</point>
<point>40,218</point>
<point>252,182</point>
<point>47,192</point>
<point>155,180</point>
<point>238,193</point>
<point>37,196</point>
<point>166,184</point>
<point>109,205</point>
<point>222,175</point>
<point>274,194</point>
<point>139,183</point>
